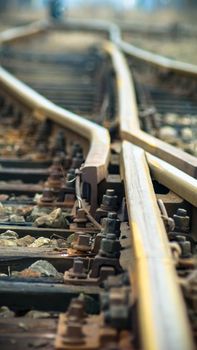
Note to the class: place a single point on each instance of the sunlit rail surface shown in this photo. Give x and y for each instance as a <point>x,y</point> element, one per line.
<point>97,238</point>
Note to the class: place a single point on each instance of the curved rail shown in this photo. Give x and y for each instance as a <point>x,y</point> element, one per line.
<point>158,60</point>
<point>114,33</point>
<point>129,122</point>
<point>95,167</point>
<point>101,26</point>
<point>180,183</point>
<point>22,32</point>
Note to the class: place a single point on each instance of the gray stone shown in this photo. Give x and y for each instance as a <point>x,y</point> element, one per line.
<point>45,268</point>
<point>9,234</point>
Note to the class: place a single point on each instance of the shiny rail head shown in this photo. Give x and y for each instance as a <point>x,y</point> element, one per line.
<point>176,180</point>
<point>110,29</point>
<point>97,136</point>
<point>154,267</point>
<point>181,68</point>
<point>130,125</point>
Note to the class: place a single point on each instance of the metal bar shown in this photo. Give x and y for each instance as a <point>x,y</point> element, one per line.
<point>171,177</point>
<point>95,167</point>
<point>129,121</point>
<point>162,314</point>
<point>160,61</point>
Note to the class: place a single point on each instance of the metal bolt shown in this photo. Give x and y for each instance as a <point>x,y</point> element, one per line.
<point>60,142</point>
<point>77,269</point>
<point>111,224</point>
<point>47,196</point>
<point>76,310</point>
<point>110,246</point>
<point>74,334</point>
<point>55,179</point>
<point>81,218</point>
<point>77,160</point>
<point>185,246</point>
<point>109,201</point>
<point>182,220</point>
<point>83,243</point>
<point>76,149</point>
<point>43,131</point>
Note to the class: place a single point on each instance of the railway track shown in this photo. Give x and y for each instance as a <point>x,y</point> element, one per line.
<point>164,92</point>
<point>70,269</point>
<point>174,41</point>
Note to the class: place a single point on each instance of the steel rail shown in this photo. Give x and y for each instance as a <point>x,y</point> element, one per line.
<point>111,29</point>
<point>22,32</point>
<point>158,60</point>
<point>129,121</point>
<point>108,27</point>
<point>98,26</point>
<point>162,314</point>
<point>95,167</point>
<point>156,29</point>
<point>180,183</point>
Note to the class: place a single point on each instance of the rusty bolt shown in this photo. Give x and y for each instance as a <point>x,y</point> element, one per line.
<point>47,196</point>
<point>77,271</point>
<point>74,334</point>
<point>83,242</point>
<point>109,201</point>
<point>81,218</point>
<point>55,179</point>
<point>76,310</point>
<point>56,165</point>
<point>182,220</point>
